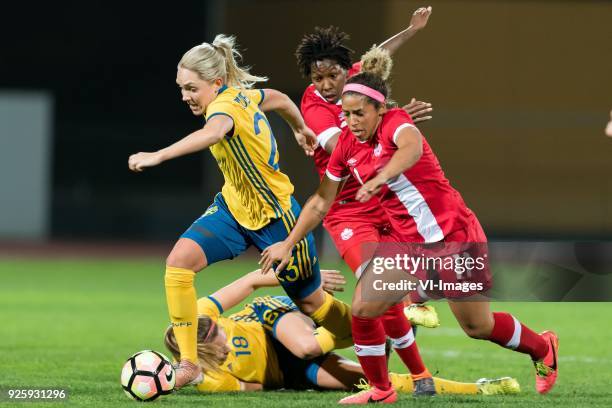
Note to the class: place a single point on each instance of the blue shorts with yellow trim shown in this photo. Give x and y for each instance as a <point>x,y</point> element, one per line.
<point>270,309</point>
<point>221,237</point>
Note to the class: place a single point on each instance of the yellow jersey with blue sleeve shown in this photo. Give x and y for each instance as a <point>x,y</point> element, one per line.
<point>255,189</point>
<point>252,357</point>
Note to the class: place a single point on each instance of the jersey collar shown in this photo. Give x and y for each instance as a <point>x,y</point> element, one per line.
<point>221,90</point>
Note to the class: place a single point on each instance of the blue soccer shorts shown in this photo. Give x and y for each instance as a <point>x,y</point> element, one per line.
<point>221,237</point>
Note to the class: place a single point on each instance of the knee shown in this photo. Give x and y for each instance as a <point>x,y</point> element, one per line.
<point>307,306</point>
<point>366,309</point>
<point>476,330</point>
<point>185,260</point>
<point>308,350</point>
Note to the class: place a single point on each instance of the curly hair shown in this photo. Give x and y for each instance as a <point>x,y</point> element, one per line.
<point>324,43</point>
<point>375,70</point>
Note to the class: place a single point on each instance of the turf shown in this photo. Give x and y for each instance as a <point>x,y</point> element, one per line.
<point>72,323</point>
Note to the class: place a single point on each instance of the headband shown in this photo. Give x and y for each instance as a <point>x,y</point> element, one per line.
<point>210,330</point>
<point>364,90</point>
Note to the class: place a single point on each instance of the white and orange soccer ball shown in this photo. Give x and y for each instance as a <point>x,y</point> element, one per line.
<point>147,375</point>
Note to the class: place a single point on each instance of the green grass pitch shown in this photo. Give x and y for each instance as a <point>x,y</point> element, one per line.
<point>72,323</point>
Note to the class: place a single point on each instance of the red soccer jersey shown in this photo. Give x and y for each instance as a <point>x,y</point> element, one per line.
<point>421,204</point>
<point>327,119</point>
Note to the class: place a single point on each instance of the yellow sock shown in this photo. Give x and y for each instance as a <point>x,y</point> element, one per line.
<point>335,316</point>
<point>183,309</point>
<point>454,387</point>
<point>403,383</point>
<point>328,342</point>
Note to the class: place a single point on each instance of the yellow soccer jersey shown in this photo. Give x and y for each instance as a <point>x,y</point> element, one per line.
<point>255,189</point>
<point>252,358</point>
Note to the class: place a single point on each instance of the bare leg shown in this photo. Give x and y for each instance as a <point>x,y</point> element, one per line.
<point>475,318</point>
<point>296,332</point>
<point>337,373</point>
<point>187,254</point>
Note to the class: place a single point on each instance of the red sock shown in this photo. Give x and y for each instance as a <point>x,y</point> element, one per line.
<point>399,330</point>
<point>369,338</point>
<point>512,334</point>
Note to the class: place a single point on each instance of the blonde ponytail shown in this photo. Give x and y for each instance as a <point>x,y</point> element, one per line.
<point>218,60</point>
<point>236,76</point>
<point>377,61</point>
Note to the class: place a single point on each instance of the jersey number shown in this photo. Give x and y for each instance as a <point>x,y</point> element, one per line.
<point>272,159</point>
<point>241,342</point>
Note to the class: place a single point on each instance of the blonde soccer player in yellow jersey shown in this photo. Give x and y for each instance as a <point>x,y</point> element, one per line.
<point>255,206</point>
<point>269,344</point>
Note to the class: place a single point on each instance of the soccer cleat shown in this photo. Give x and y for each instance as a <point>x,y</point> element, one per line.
<point>424,387</point>
<point>422,315</point>
<point>548,368</point>
<point>498,386</point>
<point>370,395</point>
<point>187,373</point>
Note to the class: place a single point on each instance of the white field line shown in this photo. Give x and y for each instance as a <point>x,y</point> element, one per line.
<point>485,356</point>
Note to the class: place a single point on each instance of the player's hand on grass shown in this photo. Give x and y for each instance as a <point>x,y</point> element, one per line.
<point>369,190</point>
<point>333,281</point>
<point>307,139</point>
<point>609,127</point>
<point>418,110</point>
<point>420,17</point>
<point>140,161</point>
<point>275,253</point>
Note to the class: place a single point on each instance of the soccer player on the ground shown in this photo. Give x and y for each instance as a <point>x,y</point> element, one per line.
<point>269,344</point>
<point>324,58</point>
<point>255,206</point>
<point>385,151</point>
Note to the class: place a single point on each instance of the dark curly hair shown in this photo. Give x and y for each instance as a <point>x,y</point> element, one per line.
<point>322,44</point>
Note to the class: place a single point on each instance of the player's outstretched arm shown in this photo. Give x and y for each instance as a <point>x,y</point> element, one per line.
<point>237,291</point>
<point>211,133</point>
<point>280,103</point>
<point>312,214</point>
<point>409,150</point>
<point>418,22</point>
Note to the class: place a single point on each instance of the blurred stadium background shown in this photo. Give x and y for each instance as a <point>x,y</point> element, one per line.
<point>521,92</point>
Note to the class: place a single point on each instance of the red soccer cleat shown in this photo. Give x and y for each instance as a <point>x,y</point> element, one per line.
<point>548,368</point>
<point>373,395</point>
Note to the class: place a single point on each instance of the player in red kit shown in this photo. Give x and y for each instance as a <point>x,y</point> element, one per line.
<point>385,152</point>
<point>323,57</point>
<point>326,61</point>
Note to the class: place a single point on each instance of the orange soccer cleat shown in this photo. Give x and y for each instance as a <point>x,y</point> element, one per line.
<point>371,395</point>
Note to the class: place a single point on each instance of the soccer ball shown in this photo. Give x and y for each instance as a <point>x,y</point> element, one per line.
<point>147,375</point>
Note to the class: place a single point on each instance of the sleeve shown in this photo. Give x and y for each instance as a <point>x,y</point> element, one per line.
<point>209,306</point>
<point>398,121</point>
<point>219,381</point>
<point>255,95</point>
<point>321,119</point>
<point>222,108</point>
<point>336,167</point>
